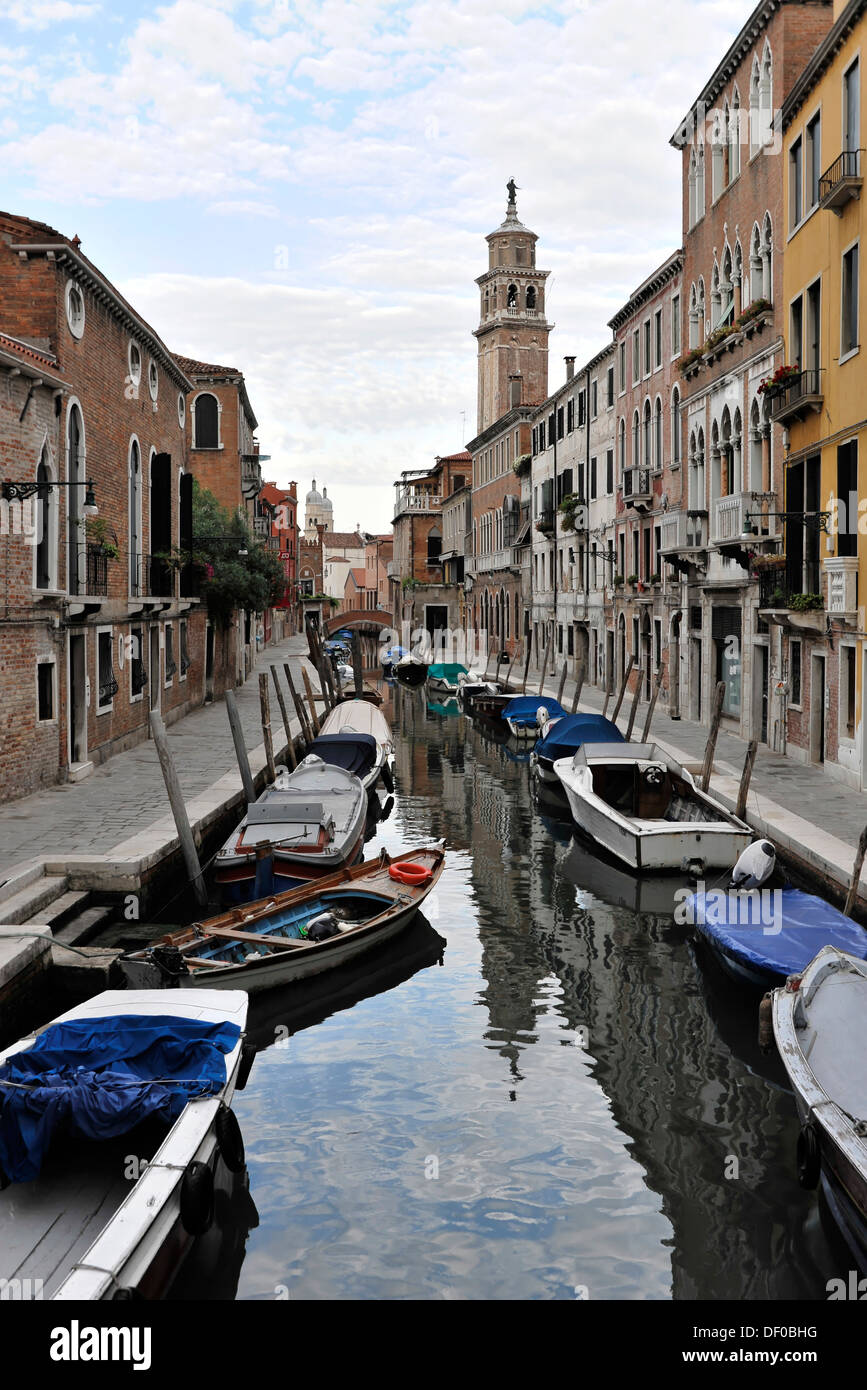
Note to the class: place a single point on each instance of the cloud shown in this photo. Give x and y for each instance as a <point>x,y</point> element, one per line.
<point>38,14</point>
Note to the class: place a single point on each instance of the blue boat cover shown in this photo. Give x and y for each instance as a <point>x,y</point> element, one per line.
<point>522,710</point>
<point>100,1077</point>
<point>568,734</point>
<point>776,931</point>
<point>446,671</point>
<point>354,752</point>
<point>394,653</point>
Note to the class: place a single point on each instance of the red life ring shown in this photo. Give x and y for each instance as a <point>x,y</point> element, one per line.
<point>413,874</point>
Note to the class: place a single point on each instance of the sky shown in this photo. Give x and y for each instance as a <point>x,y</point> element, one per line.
<point>301,189</point>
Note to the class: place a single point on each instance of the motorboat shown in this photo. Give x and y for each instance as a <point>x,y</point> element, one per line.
<point>390,658</point>
<point>411,670</point>
<point>639,803</point>
<point>527,715</point>
<point>113,1121</point>
<point>304,826</point>
<point>563,737</point>
<point>444,677</point>
<point>294,935</point>
<point>345,738</point>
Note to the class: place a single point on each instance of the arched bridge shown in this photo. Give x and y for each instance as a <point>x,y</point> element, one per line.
<point>371,618</point>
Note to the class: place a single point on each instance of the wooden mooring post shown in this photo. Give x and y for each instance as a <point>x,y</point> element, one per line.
<point>545,664</point>
<point>623,685</point>
<point>265,711</point>
<point>652,706</point>
<point>579,685</point>
<point>306,729</point>
<point>240,746</point>
<point>852,895</point>
<point>310,700</point>
<point>633,709</point>
<point>710,747</point>
<point>357,666</point>
<point>290,742</point>
<point>562,684</point>
<point>527,664</point>
<point>179,810</point>
<point>743,789</point>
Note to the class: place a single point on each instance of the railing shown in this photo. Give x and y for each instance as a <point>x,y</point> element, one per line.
<point>636,483</point>
<point>846,166</point>
<point>545,522</point>
<point>683,530</point>
<point>262,527</point>
<point>88,570</point>
<point>842,572</point>
<point>409,501</point>
<point>160,581</point>
<point>798,391</point>
<point>728,517</point>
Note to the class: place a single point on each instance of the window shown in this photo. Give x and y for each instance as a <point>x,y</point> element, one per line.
<point>134,359</point>
<point>852,106</point>
<point>647,348</point>
<point>153,380</point>
<point>45,691</point>
<point>45,554</point>
<point>675,426</point>
<point>796,332</point>
<point>182,410</point>
<point>609,471</point>
<point>847,692</point>
<point>811,359</point>
<point>795,671</point>
<point>636,357</point>
<point>849,314</point>
<point>610,401</point>
<point>594,400</point>
<point>107,682</point>
<point>138,676</point>
<point>570,416</point>
<point>814,159</point>
<point>675,326</point>
<point>796,205</point>
<point>657,338</point>
<point>171,665</point>
<point>184,651</point>
<point>74,309</point>
<point>592,479</point>
<point>582,409</point>
<point>206,423</point>
<point>560,427</point>
<point>622,356</point>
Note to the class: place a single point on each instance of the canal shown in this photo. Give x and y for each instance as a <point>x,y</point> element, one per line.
<point>541,1091</point>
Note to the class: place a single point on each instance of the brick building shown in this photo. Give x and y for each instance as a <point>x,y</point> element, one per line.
<point>283,503</point>
<point>419,596</point>
<point>220,428</point>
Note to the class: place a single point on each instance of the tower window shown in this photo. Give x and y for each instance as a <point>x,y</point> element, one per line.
<point>512,297</point>
<point>531,296</point>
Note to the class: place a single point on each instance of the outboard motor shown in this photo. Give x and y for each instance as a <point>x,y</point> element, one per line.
<point>171,963</point>
<point>543,719</point>
<point>754,867</point>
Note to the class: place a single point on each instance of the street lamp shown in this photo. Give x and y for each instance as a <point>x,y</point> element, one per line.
<point>14,490</point>
<point>817,519</point>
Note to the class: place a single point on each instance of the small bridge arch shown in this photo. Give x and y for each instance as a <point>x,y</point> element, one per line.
<point>372,619</point>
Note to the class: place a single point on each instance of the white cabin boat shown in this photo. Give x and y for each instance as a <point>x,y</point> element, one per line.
<point>87,1227</point>
<point>364,718</point>
<point>641,805</point>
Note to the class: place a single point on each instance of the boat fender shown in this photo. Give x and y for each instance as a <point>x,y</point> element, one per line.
<point>127,1295</point>
<point>809,1156</point>
<point>197,1198</point>
<point>387,776</point>
<point>413,874</point>
<point>229,1139</point>
<point>322,927</point>
<point>766,1023</point>
<point>245,1066</point>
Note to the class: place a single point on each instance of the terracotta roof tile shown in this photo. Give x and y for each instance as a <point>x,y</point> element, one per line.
<point>21,349</point>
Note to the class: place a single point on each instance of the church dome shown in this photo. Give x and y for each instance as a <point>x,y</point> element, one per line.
<point>314,496</point>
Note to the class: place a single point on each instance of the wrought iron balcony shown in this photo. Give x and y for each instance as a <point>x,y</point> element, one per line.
<point>545,521</point>
<point>841,182</point>
<point>160,579</point>
<point>88,570</point>
<point>798,395</point>
<point>637,485</point>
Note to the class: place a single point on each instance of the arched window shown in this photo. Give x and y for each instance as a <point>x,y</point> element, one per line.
<point>715,302</point>
<point>756,263</point>
<point>719,137</point>
<point>756,460</point>
<point>512,297</point>
<point>738,280</point>
<point>135,546</point>
<point>206,422</point>
<point>691,201</point>
<point>45,558</point>
<point>657,434</point>
<point>766,96</point>
<point>767,262</point>
<point>701,311</point>
<point>699,184</point>
<point>531,296</point>
<point>635,440</point>
<point>675,425</point>
<point>735,137</point>
<point>75,474</point>
<point>727,310</point>
<point>622,446</point>
<point>755,83</point>
<point>694,323</point>
<point>648,440</point>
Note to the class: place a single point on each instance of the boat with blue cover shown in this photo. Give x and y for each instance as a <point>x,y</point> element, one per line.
<point>411,670</point>
<point>445,676</point>
<point>563,737</point>
<point>294,935</point>
<point>390,657</point>
<point>763,936</point>
<point>359,721</point>
<point>127,1072</point>
<point>522,714</point>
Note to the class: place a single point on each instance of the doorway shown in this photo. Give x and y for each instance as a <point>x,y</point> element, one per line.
<point>695,679</point>
<point>817,709</point>
<point>78,699</point>
<point>761,673</point>
<point>155,666</point>
<point>209,664</point>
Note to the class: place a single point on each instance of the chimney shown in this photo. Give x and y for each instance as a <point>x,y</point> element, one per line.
<point>570,368</point>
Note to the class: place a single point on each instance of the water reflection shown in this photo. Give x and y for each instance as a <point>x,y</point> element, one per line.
<point>568,1102</point>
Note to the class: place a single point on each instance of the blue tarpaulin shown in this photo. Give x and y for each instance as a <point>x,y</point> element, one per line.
<point>87,1074</point>
<point>354,752</point>
<point>522,710</point>
<point>772,933</point>
<point>568,734</point>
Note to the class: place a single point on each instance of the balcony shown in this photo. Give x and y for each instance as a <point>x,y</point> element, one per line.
<point>88,570</point>
<point>411,501</point>
<point>683,538</point>
<point>783,606</point>
<point>545,522</point>
<point>496,560</point>
<point>842,591</point>
<point>729,519</point>
<point>637,487</point>
<point>841,182</point>
<point>800,394</point>
<point>159,578</point>
<point>251,476</point>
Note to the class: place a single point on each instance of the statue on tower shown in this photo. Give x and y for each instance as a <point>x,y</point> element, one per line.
<point>511,189</point>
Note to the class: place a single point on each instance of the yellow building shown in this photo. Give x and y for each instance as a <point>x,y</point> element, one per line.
<point>811,599</point>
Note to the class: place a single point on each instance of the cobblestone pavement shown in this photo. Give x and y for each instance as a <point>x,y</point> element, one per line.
<point>127,793</point>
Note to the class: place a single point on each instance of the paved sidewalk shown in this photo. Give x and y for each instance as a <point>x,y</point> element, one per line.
<point>125,795</point>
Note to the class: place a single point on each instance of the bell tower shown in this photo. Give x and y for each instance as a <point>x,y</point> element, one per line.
<point>513,331</point>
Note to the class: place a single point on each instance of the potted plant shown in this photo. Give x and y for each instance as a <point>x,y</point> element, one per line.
<point>805,603</point>
<point>656,578</point>
<point>102,538</point>
<point>778,383</point>
<point>632,580</point>
<point>618,581</point>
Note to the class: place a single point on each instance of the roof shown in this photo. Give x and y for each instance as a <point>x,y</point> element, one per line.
<point>43,363</point>
<point>37,238</point>
<point>210,372</point>
<point>274,494</point>
<point>463,457</point>
<point>360,577</point>
<point>347,539</point>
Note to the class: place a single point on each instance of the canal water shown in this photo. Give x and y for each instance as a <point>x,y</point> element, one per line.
<point>541,1091</point>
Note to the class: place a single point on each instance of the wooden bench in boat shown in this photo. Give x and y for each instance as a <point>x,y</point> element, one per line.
<point>257,938</point>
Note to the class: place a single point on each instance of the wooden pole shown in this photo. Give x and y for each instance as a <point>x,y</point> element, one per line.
<point>743,789</point>
<point>527,664</point>
<point>852,895</point>
<point>357,664</point>
<point>488,658</point>
<point>179,810</point>
<point>579,685</point>
<point>306,728</point>
<point>545,662</point>
<point>509,672</point>
<point>633,709</point>
<point>605,706</point>
<point>652,706</point>
<point>561,685</point>
<point>290,742</point>
<point>240,746</point>
<point>626,674</point>
<point>710,747</point>
<point>310,700</point>
<point>265,711</point>
<point>311,646</point>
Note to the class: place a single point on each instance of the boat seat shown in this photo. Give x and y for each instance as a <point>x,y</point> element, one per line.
<point>652,791</point>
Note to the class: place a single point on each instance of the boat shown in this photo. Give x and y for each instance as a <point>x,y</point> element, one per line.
<point>345,738</point>
<point>411,670</point>
<point>480,695</point>
<point>444,677</point>
<point>304,826</point>
<point>522,714</point>
<point>599,874</point>
<point>644,807</point>
<point>563,737</point>
<point>390,658</point>
<point>760,937</point>
<point>294,935</point>
<point>367,692</point>
<point>820,1028</point>
<point>127,1072</point>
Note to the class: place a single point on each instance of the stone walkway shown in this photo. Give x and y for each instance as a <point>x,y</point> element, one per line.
<point>126,794</point>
